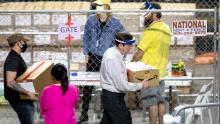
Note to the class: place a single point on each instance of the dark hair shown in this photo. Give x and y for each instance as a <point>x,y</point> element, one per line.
<point>59,72</point>
<point>157,6</point>
<point>11,44</point>
<point>93,6</point>
<point>123,36</point>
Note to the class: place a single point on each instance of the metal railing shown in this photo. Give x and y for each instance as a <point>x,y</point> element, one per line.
<point>197,106</point>
<point>193,107</point>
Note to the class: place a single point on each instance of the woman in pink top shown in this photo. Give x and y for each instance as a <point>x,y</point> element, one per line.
<point>58,101</point>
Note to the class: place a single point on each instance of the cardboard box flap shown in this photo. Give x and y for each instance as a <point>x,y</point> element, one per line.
<point>34,71</point>
<point>138,66</point>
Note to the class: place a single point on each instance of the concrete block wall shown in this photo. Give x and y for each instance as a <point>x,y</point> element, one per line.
<point>48,22</point>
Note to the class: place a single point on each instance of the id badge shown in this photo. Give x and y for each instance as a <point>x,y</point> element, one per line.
<point>97,43</point>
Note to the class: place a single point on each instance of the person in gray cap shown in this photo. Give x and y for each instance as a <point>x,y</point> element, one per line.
<point>15,66</point>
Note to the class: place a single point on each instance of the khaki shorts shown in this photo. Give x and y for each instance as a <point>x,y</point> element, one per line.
<point>154,96</point>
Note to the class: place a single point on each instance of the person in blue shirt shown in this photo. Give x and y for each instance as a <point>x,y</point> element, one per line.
<point>99,35</point>
<point>100,31</point>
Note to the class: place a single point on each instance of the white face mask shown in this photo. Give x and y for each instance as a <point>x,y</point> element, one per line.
<point>142,21</point>
<point>102,20</point>
<point>103,17</point>
<point>101,8</point>
<point>146,20</point>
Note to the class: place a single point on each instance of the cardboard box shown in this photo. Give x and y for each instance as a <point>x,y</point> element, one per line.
<point>184,89</point>
<point>138,71</point>
<point>133,101</point>
<point>36,77</point>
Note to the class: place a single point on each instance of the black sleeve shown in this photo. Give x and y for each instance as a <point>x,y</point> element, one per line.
<point>12,65</point>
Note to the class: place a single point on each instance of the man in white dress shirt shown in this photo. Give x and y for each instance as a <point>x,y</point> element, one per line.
<point>114,81</point>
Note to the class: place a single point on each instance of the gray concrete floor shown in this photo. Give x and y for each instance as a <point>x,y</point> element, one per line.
<point>8,116</point>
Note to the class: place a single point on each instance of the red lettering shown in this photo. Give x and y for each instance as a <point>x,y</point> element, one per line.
<point>189,24</point>
<point>174,24</point>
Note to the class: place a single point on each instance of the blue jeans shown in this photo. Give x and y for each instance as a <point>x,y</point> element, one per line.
<point>25,112</point>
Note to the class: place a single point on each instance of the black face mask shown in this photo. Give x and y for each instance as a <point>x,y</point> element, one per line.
<point>24,47</point>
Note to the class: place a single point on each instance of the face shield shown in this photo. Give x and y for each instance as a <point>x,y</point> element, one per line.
<point>126,42</point>
<point>147,18</point>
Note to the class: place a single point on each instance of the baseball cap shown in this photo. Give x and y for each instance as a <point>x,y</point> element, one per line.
<point>14,38</point>
<point>101,2</point>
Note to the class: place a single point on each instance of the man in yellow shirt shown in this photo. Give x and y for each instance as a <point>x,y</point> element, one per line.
<point>153,49</point>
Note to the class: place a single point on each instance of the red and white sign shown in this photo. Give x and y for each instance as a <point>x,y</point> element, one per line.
<point>189,27</point>
<point>69,30</point>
